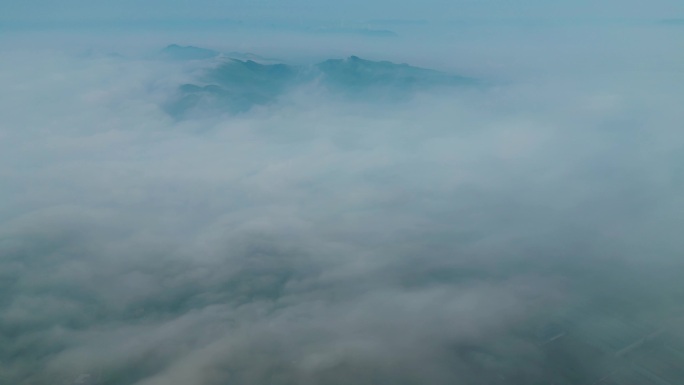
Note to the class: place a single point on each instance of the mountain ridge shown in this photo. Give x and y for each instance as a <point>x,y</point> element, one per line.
<point>234,85</point>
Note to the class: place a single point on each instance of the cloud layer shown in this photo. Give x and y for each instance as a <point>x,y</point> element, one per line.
<point>316,240</point>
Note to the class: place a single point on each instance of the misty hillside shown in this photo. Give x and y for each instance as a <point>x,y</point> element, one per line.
<point>176,52</point>
<point>358,75</point>
<point>236,85</point>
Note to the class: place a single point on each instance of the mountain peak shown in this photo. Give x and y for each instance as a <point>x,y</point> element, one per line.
<point>177,52</point>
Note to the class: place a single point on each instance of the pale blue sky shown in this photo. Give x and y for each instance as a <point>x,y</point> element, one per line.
<point>85,10</point>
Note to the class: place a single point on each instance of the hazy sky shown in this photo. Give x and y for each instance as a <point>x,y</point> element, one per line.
<point>71,10</point>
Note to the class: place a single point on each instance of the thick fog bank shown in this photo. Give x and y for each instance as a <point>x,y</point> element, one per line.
<point>451,236</point>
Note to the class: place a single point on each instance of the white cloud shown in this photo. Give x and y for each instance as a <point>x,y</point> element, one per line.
<point>317,240</point>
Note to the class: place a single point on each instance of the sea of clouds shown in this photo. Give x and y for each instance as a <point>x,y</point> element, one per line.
<point>318,240</point>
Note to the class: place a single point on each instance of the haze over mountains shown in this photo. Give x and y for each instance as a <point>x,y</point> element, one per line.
<point>322,214</point>
<point>236,82</point>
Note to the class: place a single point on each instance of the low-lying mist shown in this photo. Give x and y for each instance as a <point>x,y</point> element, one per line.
<point>517,229</point>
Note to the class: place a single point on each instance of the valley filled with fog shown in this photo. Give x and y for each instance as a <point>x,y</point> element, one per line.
<point>400,203</point>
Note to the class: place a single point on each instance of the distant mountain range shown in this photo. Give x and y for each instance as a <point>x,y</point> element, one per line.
<point>236,82</point>
<point>177,52</point>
